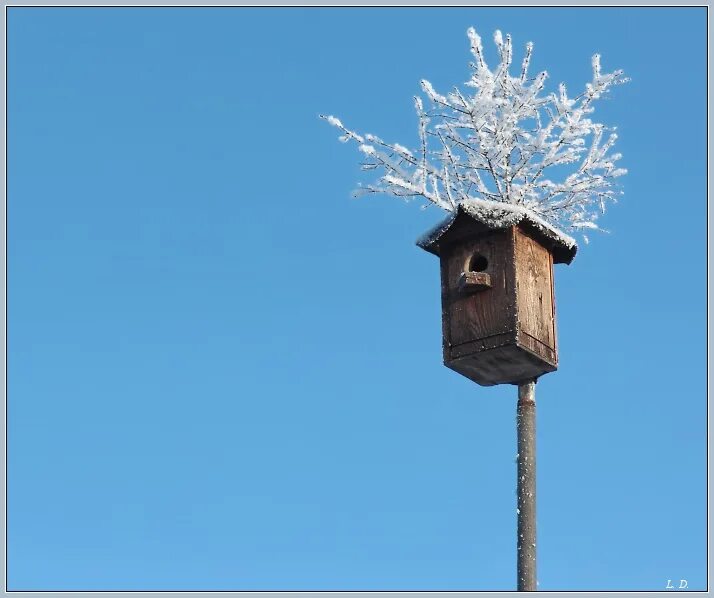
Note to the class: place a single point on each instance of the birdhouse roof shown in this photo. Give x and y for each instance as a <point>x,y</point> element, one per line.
<point>480,216</point>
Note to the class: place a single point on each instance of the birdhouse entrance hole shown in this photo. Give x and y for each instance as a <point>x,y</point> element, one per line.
<point>478,263</point>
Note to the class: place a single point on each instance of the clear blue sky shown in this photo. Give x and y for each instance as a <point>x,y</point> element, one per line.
<point>225,373</point>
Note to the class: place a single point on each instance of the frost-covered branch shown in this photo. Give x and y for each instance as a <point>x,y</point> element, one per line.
<point>502,142</point>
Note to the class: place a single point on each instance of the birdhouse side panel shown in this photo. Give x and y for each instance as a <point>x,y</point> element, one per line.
<point>534,291</point>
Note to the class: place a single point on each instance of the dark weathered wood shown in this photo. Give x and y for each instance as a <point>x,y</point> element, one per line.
<point>534,284</point>
<point>506,364</point>
<point>473,282</point>
<point>473,317</point>
<point>445,310</point>
<point>504,333</point>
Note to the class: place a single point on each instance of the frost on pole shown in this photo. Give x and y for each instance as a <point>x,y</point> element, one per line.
<point>517,168</point>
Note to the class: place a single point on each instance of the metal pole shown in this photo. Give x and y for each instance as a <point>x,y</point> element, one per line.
<point>525,425</point>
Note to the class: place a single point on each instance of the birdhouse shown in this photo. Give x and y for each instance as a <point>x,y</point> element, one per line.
<point>497,294</point>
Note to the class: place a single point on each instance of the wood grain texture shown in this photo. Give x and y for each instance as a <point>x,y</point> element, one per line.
<point>474,282</point>
<point>490,312</point>
<point>534,296</point>
<point>507,364</point>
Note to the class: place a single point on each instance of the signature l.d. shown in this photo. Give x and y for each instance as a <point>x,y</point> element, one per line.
<point>682,585</point>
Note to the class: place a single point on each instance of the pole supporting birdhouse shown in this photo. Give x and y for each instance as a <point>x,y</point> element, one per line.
<point>498,323</point>
<point>526,487</point>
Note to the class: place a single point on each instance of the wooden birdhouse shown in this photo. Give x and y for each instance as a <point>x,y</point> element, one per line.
<point>497,294</point>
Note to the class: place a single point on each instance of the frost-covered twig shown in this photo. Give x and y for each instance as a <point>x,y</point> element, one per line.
<point>501,143</point>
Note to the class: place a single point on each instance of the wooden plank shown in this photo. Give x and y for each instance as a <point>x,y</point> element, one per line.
<point>473,282</point>
<point>445,307</point>
<point>508,364</point>
<point>473,317</point>
<point>552,302</point>
<point>534,284</point>
<point>483,344</point>
<point>533,345</point>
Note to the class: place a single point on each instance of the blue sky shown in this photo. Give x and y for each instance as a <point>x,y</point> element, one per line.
<point>225,373</point>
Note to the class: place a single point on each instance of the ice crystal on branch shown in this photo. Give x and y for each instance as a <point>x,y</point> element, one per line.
<point>504,143</point>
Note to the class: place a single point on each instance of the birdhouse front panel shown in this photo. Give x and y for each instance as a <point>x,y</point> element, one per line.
<point>476,313</point>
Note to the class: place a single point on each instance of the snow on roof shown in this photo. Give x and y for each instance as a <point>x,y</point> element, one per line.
<point>498,215</point>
